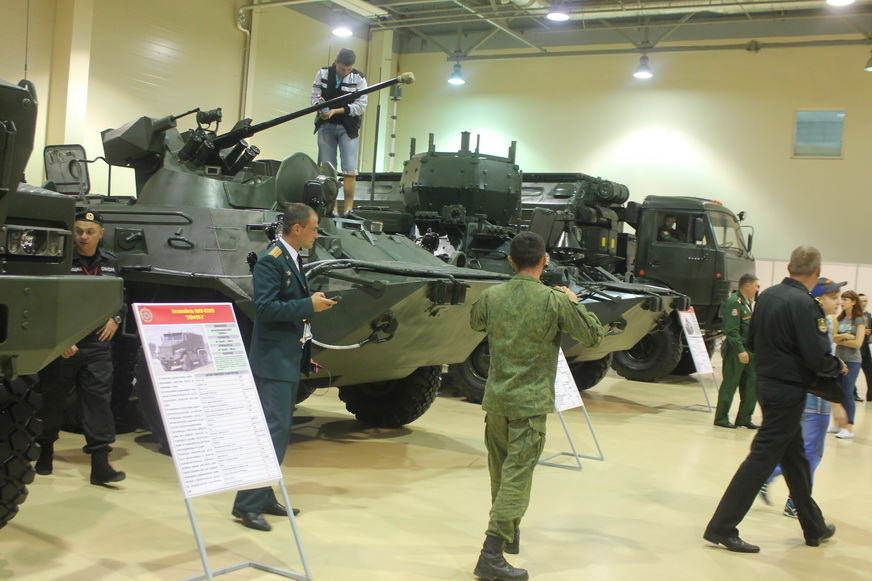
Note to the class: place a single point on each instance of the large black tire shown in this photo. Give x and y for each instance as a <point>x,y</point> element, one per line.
<point>470,376</point>
<point>18,428</point>
<point>394,403</point>
<point>686,366</point>
<point>589,373</point>
<point>186,363</point>
<point>652,358</point>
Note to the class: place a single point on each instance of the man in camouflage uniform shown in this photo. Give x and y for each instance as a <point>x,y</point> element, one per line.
<point>524,320</point>
<point>738,361</point>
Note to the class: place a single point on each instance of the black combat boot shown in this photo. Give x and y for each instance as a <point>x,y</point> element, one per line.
<point>493,566</point>
<point>514,547</point>
<point>46,455</point>
<point>101,471</point>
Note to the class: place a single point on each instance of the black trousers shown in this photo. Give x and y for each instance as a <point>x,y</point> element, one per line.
<point>90,372</point>
<point>778,441</point>
<point>866,366</point>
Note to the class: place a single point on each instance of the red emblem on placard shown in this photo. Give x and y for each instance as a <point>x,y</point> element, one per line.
<point>146,314</point>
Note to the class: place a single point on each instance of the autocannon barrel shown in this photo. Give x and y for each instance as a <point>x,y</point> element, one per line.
<point>238,133</point>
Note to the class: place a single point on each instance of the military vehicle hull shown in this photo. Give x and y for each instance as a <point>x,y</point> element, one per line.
<point>41,308</point>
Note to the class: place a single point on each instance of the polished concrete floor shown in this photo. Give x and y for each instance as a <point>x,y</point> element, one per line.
<point>411,504</point>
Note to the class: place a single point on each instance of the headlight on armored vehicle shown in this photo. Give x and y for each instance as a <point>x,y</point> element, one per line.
<point>33,241</point>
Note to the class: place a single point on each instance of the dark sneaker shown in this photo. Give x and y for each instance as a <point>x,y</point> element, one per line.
<point>764,494</point>
<point>790,510</point>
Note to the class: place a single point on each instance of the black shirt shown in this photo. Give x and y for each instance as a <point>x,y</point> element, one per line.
<point>788,335</point>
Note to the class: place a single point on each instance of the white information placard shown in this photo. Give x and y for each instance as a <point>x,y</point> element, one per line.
<point>695,342</point>
<point>566,394</point>
<point>207,396</point>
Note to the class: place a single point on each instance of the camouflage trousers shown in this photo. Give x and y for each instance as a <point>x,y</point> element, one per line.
<point>513,449</point>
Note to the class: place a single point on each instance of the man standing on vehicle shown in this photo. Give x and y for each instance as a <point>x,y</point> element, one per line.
<point>340,127</point>
<point>524,320</point>
<point>87,366</point>
<point>789,339</point>
<point>280,345</point>
<point>738,361</point>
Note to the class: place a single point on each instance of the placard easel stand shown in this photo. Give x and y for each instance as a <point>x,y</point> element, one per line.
<point>701,360</point>
<point>210,574</point>
<point>209,404</point>
<point>574,454</point>
<point>567,396</point>
<point>706,407</point>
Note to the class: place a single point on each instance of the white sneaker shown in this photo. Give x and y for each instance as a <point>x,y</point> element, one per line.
<point>844,434</point>
<point>833,430</point>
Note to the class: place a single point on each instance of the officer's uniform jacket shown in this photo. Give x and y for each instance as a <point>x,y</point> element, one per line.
<point>737,321</point>
<point>284,306</point>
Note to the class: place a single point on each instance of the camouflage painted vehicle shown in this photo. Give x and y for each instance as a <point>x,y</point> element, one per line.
<point>41,311</point>
<point>206,209</point>
<point>473,202</point>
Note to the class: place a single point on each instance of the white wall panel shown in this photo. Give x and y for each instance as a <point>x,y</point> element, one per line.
<point>289,49</point>
<point>159,58</point>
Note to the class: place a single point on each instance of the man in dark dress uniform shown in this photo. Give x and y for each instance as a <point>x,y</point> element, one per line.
<point>280,345</point>
<point>788,337</point>
<point>87,365</point>
<point>738,366</point>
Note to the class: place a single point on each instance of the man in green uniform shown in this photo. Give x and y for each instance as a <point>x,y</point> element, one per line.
<point>524,320</point>
<point>738,367</point>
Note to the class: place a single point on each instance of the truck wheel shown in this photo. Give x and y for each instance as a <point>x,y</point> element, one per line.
<point>186,362</point>
<point>18,428</point>
<point>589,373</point>
<point>471,375</point>
<point>166,366</point>
<point>686,366</point>
<point>394,403</point>
<point>651,359</point>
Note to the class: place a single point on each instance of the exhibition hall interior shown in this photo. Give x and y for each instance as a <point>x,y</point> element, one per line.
<point>670,155</point>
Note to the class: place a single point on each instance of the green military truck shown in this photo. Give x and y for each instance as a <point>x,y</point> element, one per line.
<point>703,258</point>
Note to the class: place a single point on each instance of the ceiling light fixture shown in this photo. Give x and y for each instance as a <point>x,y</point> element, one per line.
<point>456,77</point>
<point>342,28</point>
<point>839,2</point>
<point>643,71</point>
<point>558,12</point>
<point>868,65</point>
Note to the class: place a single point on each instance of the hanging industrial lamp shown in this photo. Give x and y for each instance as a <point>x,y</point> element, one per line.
<point>342,27</point>
<point>456,77</point>
<point>643,71</point>
<point>558,12</point>
<point>868,65</point>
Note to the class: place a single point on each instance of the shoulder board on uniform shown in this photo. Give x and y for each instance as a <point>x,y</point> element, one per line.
<point>276,252</point>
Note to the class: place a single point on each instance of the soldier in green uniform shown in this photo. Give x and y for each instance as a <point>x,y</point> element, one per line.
<point>524,320</point>
<point>738,366</point>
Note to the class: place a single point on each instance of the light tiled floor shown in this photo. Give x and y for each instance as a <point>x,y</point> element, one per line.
<point>411,504</point>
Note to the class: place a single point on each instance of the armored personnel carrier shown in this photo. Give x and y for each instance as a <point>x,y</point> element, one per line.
<point>474,202</point>
<point>41,309</point>
<point>206,209</point>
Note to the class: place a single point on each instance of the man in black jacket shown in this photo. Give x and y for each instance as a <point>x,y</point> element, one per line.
<point>87,366</point>
<point>788,337</point>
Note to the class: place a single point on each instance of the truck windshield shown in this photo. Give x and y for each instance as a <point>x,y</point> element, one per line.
<point>173,337</point>
<point>727,231</point>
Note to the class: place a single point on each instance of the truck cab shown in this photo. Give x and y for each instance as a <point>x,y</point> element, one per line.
<point>704,255</point>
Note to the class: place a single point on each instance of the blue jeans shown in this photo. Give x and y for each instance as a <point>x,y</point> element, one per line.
<point>814,435</point>
<point>848,383</point>
<point>331,136</point>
